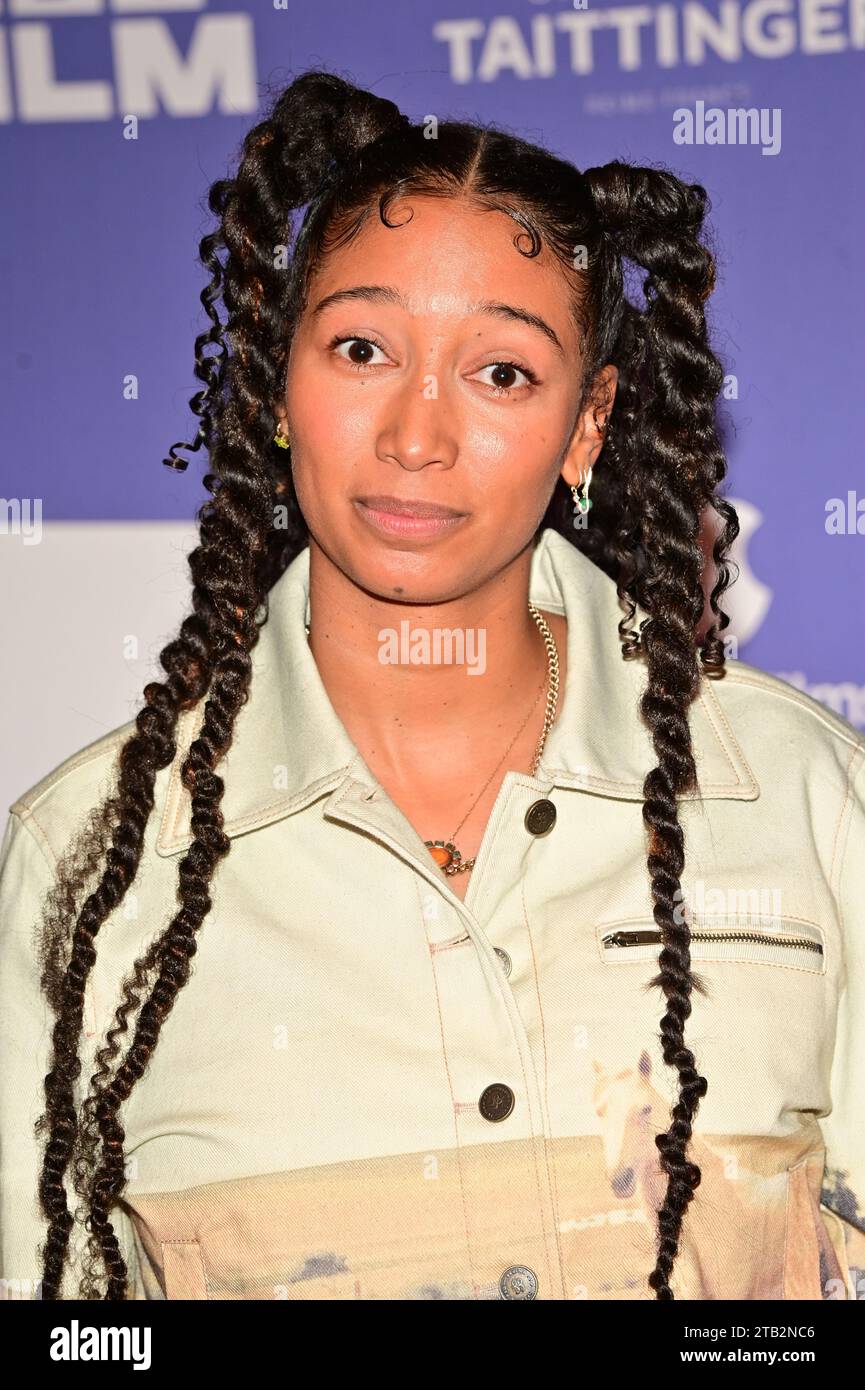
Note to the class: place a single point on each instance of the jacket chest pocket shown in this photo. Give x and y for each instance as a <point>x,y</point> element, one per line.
<point>792,943</point>
<point>761,1030</point>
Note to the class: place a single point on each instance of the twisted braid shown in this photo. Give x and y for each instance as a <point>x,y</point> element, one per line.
<point>675,464</point>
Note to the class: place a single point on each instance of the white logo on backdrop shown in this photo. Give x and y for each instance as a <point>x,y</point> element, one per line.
<point>748,599</point>
<point>545,40</point>
<point>149,72</point>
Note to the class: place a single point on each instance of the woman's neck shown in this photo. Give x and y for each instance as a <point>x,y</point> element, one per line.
<point>479,662</point>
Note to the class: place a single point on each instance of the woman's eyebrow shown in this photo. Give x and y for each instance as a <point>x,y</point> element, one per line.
<point>388,294</point>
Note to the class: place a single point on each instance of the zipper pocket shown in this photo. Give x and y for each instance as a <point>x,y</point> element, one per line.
<point>796,944</point>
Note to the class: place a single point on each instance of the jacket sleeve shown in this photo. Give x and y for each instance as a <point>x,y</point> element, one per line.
<point>26,1022</point>
<point>844,1127</point>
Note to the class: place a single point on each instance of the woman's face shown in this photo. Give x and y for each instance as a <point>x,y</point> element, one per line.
<point>395,399</point>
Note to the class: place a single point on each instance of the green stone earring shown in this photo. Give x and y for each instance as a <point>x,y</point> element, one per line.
<point>582,501</point>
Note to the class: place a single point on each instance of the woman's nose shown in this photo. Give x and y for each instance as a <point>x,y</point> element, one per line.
<point>419,424</point>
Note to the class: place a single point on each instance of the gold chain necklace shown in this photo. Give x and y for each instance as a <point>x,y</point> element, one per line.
<point>445,852</point>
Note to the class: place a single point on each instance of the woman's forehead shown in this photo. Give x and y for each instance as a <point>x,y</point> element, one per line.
<point>446,259</point>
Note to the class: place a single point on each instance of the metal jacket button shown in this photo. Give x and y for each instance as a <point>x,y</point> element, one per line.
<point>518,1282</point>
<point>540,817</point>
<point>496,1102</point>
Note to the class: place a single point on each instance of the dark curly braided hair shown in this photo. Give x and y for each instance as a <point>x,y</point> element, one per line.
<point>339,153</point>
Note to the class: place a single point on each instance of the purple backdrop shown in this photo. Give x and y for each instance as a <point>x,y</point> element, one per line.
<point>101,283</point>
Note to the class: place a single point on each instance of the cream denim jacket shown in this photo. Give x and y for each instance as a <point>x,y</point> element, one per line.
<point>369,1089</point>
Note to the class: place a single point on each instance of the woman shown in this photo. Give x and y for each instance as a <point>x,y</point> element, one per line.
<point>372,980</point>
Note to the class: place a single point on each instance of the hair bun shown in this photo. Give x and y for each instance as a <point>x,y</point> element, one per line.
<point>632,200</point>
<point>369,118</point>
<point>338,119</point>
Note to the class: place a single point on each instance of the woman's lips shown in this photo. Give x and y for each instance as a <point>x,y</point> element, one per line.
<point>405,518</point>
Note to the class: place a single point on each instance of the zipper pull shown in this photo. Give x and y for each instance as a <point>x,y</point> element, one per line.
<point>633,938</point>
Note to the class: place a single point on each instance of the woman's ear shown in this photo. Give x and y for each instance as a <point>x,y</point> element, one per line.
<point>589,434</point>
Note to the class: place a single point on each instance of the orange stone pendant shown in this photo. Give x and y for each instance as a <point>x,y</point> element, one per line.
<point>444,852</point>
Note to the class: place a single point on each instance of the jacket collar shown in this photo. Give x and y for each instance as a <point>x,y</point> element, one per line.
<point>290,747</point>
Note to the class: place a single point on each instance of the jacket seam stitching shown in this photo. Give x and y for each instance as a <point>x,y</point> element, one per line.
<point>755,917</point>
<point>517,1030</point>
<point>37,834</point>
<point>856,742</point>
<point>850,782</point>
<point>711,714</point>
<point>175,786</point>
<point>835,886</point>
<point>459,1147</point>
<point>550,1163</point>
<point>168,835</point>
<point>188,1240</point>
<point>791,1168</point>
<point>79,760</point>
<point>517,1025</point>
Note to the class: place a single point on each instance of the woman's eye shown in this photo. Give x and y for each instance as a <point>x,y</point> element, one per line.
<point>503,375</point>
<point>362,350</point>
